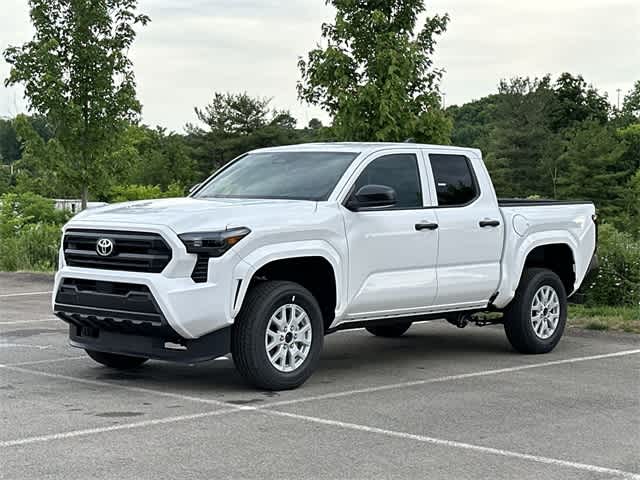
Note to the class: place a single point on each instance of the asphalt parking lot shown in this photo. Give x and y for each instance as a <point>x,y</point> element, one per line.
<point>438,403</point>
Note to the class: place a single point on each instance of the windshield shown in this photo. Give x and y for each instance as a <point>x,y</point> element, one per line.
<point>286,175</point>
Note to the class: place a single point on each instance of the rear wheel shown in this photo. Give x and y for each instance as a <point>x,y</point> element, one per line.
<point>278,335</point>
<point>535,319</point>
<point>395,330</point>
<point>113,360</point>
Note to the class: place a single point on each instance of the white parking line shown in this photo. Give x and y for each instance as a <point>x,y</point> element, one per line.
<point>23,294</point>
<point>18,322</point>
<point>130,388</point>
<point>394,386</point>
<point>23,345</point>
<point>112,428</point>
<point>36,362</point>
<point>462,376</point>
<point>465,446</point>
<point>345,425</point>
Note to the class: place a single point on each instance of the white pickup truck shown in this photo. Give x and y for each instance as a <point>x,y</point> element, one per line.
<point>284,245</point>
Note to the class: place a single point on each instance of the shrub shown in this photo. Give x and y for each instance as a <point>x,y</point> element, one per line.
<point>19,210</point>
<point>29,232</point>
<point>617,281</point>
<point>34,249</point>
<point>126,193</point>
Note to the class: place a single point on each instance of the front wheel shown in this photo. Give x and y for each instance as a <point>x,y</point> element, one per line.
<point>278,335</point>
<point>114,360</point>
<point>535,319</point>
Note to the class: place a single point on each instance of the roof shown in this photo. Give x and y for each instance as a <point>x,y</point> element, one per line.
<point>358,147</point>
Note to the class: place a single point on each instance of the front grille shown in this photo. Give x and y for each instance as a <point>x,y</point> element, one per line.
<point>132,251</point>
<point>111,306</point>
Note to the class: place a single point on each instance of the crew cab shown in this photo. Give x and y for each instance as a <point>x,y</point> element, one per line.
<point>285,245</point>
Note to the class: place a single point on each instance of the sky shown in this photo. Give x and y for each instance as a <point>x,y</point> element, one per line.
<point>193,48</point>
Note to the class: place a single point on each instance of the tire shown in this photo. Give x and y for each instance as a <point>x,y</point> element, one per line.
<point>113,360</point>
<point>268,369</point>
<point>389,331</point>
<point>541,288</point>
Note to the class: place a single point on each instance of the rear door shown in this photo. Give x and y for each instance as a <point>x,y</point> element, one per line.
<point>392,250</point>
<point>470,230</point>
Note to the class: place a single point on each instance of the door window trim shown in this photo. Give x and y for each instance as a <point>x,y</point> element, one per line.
<point>434,190</point>
<point>422,175</point>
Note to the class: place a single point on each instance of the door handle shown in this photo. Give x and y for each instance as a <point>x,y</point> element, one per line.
<point>426,226</point>
<point>489,223</point>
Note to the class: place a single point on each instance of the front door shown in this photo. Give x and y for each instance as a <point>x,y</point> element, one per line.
<point>392,250</point>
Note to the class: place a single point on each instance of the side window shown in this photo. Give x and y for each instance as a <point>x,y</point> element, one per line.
<point>398,171</point>
<point>455,183</point>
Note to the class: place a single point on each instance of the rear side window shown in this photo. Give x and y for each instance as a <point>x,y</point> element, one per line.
<point>455,183</point>
<point>398,171</point>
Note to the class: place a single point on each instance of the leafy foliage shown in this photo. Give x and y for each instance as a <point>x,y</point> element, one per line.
<point>519,137</point>
<point>29,232</point>
<point>575,102</point>
<point>231,114</point>
<point>236,123</point>
<point>617,281</point>
<point>76,73</point>
<point>631,107</point>
<point>126,193</point>
<point>556,139</point>
<point>155,157</point>
<point>375,74</point>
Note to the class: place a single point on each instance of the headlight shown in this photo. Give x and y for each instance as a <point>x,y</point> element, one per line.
<point>213,244</point>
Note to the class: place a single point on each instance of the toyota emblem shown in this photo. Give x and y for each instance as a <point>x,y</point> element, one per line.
<point>104,247</point>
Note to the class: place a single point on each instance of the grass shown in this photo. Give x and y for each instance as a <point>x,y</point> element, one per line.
<point>603,318</point>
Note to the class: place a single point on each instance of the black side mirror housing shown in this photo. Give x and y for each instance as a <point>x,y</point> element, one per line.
<point>372,196</point>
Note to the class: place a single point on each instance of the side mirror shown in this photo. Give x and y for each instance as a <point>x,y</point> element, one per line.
<point>372,196</point>
<point>194,188</point>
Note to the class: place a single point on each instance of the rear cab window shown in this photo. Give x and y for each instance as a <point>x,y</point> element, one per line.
<point>455,181</point>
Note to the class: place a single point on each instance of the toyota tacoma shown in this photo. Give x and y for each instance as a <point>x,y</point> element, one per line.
<point>285,245</point>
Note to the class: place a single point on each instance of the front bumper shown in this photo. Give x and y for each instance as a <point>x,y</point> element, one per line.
<point>208,347</point>
<point>125,318</point>
<point>137,313</point>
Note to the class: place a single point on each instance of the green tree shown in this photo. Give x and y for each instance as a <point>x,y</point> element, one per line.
<point>236,123</point>
<point>10,143</point>
<point>375,74</point>
<point>160,158</point>
<point>521,139</point>
<point>77,74</point>
<point>10,149</point>
<point>234,114</point>
<point>473,122</point>
<point>33,172</point>
<point>315,124</point>
<point>575,102</point>
<point>595,171</point>
<point>631,105</point>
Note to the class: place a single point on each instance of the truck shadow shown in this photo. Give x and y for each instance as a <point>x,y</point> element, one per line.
<point>346,355</point>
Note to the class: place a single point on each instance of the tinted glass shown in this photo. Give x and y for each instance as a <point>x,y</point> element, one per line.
<point>455,184</point>
<point>287,175</point>
<point>400,172</point>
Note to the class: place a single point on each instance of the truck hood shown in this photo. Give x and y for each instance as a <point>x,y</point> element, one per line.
<point>194,214</point>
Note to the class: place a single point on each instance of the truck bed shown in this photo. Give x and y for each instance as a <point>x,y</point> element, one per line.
<point>525,202</point>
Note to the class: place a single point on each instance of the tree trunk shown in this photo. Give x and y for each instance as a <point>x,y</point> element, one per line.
<point>85,195</point>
